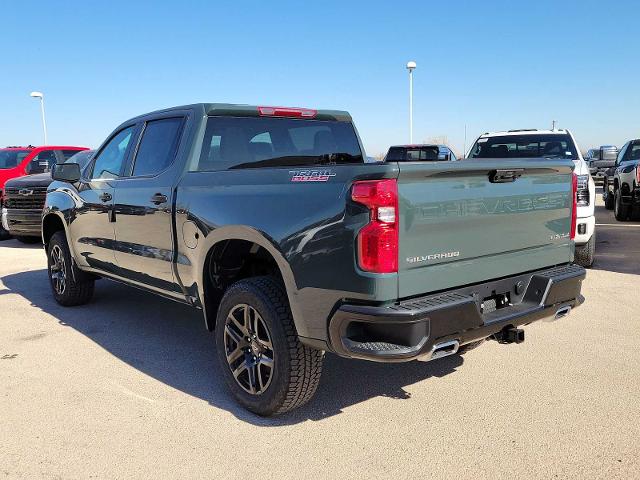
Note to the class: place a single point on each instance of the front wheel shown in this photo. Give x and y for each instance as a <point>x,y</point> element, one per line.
<point>68,289</point>
<point>266,367</point>
<point>4,234</point>
<point>620,210</point>
<point>608,198</point>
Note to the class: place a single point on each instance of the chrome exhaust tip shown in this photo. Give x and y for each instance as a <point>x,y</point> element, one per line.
<point>562,312</point>
<point>444,349</point>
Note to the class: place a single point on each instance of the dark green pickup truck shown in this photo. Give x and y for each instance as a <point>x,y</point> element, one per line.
<point>270,221</point>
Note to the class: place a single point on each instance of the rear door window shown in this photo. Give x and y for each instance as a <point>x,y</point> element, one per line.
<point>250,142</point>
<point>158,146</point>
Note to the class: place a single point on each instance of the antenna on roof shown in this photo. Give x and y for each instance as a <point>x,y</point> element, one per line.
<point>553,125</point>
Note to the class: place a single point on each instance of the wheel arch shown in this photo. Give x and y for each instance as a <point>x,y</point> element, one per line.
<point>258,244</point>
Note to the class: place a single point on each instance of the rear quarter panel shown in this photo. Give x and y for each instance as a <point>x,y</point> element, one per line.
<point>310,229</point>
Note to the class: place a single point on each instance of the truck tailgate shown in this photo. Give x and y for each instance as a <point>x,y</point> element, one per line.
<point>459,226</point>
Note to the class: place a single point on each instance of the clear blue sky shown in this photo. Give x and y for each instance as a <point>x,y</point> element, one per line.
<point>489,65</point>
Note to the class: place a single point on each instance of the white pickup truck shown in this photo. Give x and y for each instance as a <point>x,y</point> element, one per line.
<point>549,144</point>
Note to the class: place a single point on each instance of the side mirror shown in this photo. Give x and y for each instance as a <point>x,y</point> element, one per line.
<point>66,172</point>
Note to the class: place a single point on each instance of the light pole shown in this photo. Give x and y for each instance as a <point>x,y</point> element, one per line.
<point>411,66</point>
<point>40,95</point>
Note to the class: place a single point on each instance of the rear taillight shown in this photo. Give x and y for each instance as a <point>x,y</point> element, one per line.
<point>638,175</point>
<point>287,112</point>
<point>574,207</point>
<point>378,240</point>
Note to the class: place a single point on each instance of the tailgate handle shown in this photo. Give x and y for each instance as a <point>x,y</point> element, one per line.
<point>505,176</point>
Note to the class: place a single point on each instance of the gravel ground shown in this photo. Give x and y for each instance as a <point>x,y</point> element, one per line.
<point>127,387</point>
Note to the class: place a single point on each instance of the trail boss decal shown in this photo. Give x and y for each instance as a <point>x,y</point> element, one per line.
<point>311,175</point>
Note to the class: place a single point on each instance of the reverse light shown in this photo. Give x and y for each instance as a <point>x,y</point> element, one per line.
<point>287,112</point>
<point>574,207</point>
<point>378,240</point>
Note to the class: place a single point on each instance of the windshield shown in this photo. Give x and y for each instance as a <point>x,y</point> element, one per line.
<point>250,142</point>
<point>81,158</point>
<point>12,158</point>
<point>525,146</point>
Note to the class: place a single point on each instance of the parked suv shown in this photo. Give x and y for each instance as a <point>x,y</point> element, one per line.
<point>270,221</point>
<point>621,189</point>
<point>20,161</point>
<point>415,153</point>
<point>549,144</point>
<point>24,201</point>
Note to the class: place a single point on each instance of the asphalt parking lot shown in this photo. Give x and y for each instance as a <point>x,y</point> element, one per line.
<point>127,386</point>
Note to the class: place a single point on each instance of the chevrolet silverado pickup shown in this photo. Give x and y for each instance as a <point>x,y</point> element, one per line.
<point>270,221</point>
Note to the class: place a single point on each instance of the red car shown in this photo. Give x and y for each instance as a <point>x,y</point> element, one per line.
<point>19,161</point>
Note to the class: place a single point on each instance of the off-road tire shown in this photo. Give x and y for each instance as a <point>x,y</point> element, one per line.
<point>78,289</point>
<point>585,254</point>
<point>620,211</point>
<point>470,346</point>
<point>296,367</point>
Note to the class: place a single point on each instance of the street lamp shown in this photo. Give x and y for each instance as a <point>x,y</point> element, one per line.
<point>411,66</point>
<point>40,95</point>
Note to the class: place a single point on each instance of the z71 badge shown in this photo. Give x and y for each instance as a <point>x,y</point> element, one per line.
<point>311,175</point>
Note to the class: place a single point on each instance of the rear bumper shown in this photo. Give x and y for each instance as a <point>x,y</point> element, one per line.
<point>585,227</point>
<point>410,329</point>
<point>24,222</point>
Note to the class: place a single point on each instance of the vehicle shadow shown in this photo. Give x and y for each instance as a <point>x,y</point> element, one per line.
<point>13,243</point>
<point>617,243</point>
<point>168,341</point>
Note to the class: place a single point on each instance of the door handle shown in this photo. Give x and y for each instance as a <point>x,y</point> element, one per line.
<point>158,198</point>
<point>105,197</point>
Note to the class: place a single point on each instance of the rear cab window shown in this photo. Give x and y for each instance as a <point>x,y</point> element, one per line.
<point>414,154</point>
<point>548,145</point>
<point>251,142</point>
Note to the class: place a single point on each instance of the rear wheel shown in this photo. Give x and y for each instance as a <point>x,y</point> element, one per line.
<point>620,211</point>
<point>585,254</point>
<point>262,360</point>
<point>68,289</point>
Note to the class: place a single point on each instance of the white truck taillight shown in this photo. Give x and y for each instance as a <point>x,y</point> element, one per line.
<point>378,240</point>
<point>574,207</point>
<point>582,191</point>
<point>638,175</point>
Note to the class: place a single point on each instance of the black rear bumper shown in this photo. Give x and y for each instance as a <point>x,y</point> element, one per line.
<point>411,329</point>
<point>24,222</point>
